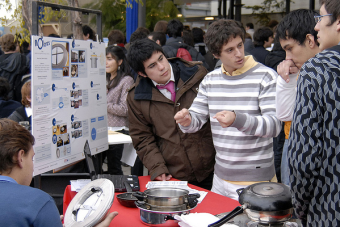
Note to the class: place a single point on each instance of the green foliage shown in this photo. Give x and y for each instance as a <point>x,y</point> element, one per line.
<point>159,10</point>
<point>21,29</point>
<point>114,13</point>
<point>261,12</point>
<point>22,32</point>
<point>52,15</point>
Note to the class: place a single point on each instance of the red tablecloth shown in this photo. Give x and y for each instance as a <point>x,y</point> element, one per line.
<point>213,203</point>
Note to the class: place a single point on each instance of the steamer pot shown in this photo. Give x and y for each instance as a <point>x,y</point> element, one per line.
<point>159,218</point>
<point>167,197</point>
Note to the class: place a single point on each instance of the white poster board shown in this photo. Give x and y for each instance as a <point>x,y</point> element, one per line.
<point>68,100</point>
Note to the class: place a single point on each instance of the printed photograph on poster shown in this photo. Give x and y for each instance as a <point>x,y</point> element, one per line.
<point>65,71</point>
<point>60,54</point>
<point>76,124</point>
<point>60,141</point>
<point>74,70</point>
<point>82,56</point>
<point>76,104</point>
<point>94,61</point>
<point>58,152</point>
<point>74,55</point>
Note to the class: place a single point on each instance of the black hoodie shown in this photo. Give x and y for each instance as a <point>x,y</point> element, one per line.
<point>12,67</point>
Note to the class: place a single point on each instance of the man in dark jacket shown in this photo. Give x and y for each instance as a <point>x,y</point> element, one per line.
<point>7,107</point>
<point>175,41</point>
<point>164,87</point>
<point>12,65</point>
<point>263,38</point>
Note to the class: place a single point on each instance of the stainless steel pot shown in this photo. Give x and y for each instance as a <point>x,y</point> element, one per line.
<point>160,218</point>
<point>167,197</point>
<point>267,203</point>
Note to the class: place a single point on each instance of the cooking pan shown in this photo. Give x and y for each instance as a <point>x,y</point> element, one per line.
<point>167,197</point>
<point>266,203</point>
<point>127,199</point>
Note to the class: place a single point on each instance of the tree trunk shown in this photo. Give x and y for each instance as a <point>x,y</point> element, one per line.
<point>27,14</point>
<point>76,20</point>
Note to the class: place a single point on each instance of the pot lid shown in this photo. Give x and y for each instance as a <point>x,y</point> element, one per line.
<point>90,205</point>
<point>266,196</point>
<point>267,189</point>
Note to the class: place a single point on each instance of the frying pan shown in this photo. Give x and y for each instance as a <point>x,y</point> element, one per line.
<point>127,199</point>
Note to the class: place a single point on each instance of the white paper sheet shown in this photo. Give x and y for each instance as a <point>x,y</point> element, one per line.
<point>77,185</point>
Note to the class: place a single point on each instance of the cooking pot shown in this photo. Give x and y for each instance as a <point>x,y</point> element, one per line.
<point>167,197</point>
<point>266,203</point>
<point>160,218</point>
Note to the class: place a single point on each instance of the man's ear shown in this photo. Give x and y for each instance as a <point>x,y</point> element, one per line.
<point>158,42</point>
<point>142,74</point>
<point>216,56</point>
<point>338,24</point>
<point>310,41</point>
<point>19,157</point>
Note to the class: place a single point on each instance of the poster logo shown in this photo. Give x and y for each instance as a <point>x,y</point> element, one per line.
<point>40,43</point>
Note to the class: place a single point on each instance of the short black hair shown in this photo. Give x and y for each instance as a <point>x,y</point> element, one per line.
<point>261,35</point>
<point>116,36</point>
<point>220,32</point>
<point>332,7</point>
<point>87,30</point>
<point>54,35</point>
<point>297,25</point>
<point>188,39</point>
<point>174,28</point>
<point>140,51</point>
<point>198,35</point>
<point>4,88</point>
<point>139,33</point>
<point>158,36</point>
<point>250,25</point>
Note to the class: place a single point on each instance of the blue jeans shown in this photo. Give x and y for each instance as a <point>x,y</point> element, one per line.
<point>285,165</point>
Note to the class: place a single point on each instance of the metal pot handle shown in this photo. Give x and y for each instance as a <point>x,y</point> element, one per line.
<point>239,191</point>
<point>192,199</point>
<point>232,214</point>
<point>139,195</point>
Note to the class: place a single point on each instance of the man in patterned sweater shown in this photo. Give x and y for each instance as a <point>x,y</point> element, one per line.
<point>314,143</point>
<point>239,100</point>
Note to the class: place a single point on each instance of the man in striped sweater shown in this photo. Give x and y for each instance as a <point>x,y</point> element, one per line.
<point>239,100</point>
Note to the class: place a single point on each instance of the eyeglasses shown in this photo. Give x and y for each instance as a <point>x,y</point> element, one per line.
<point>318,18</point>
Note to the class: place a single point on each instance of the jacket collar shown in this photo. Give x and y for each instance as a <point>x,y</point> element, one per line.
<point>182,72</point>
<point>174,40</point>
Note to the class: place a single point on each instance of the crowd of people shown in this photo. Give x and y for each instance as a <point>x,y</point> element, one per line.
<point>215,108</point>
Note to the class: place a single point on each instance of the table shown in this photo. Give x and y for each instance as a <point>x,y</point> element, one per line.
<point>212,203</point>
<point>129,153</point>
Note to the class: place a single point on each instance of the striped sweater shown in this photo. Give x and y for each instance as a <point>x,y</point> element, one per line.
<point>244,149</point>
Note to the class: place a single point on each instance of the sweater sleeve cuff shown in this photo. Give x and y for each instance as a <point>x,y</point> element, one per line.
<point>240,120</point>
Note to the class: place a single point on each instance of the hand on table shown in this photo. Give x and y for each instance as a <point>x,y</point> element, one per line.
<point>163,177</point>
<point>106,222</point>
<point>225,118</point>
<point>285,68</point>
<point>183,117</point>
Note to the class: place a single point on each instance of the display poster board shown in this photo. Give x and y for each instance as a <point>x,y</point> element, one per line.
<point>68,100</point>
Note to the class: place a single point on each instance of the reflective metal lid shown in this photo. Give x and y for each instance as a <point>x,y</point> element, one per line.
<point>90,205</point>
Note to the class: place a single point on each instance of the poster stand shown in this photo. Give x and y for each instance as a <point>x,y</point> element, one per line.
<point>55,183</point>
